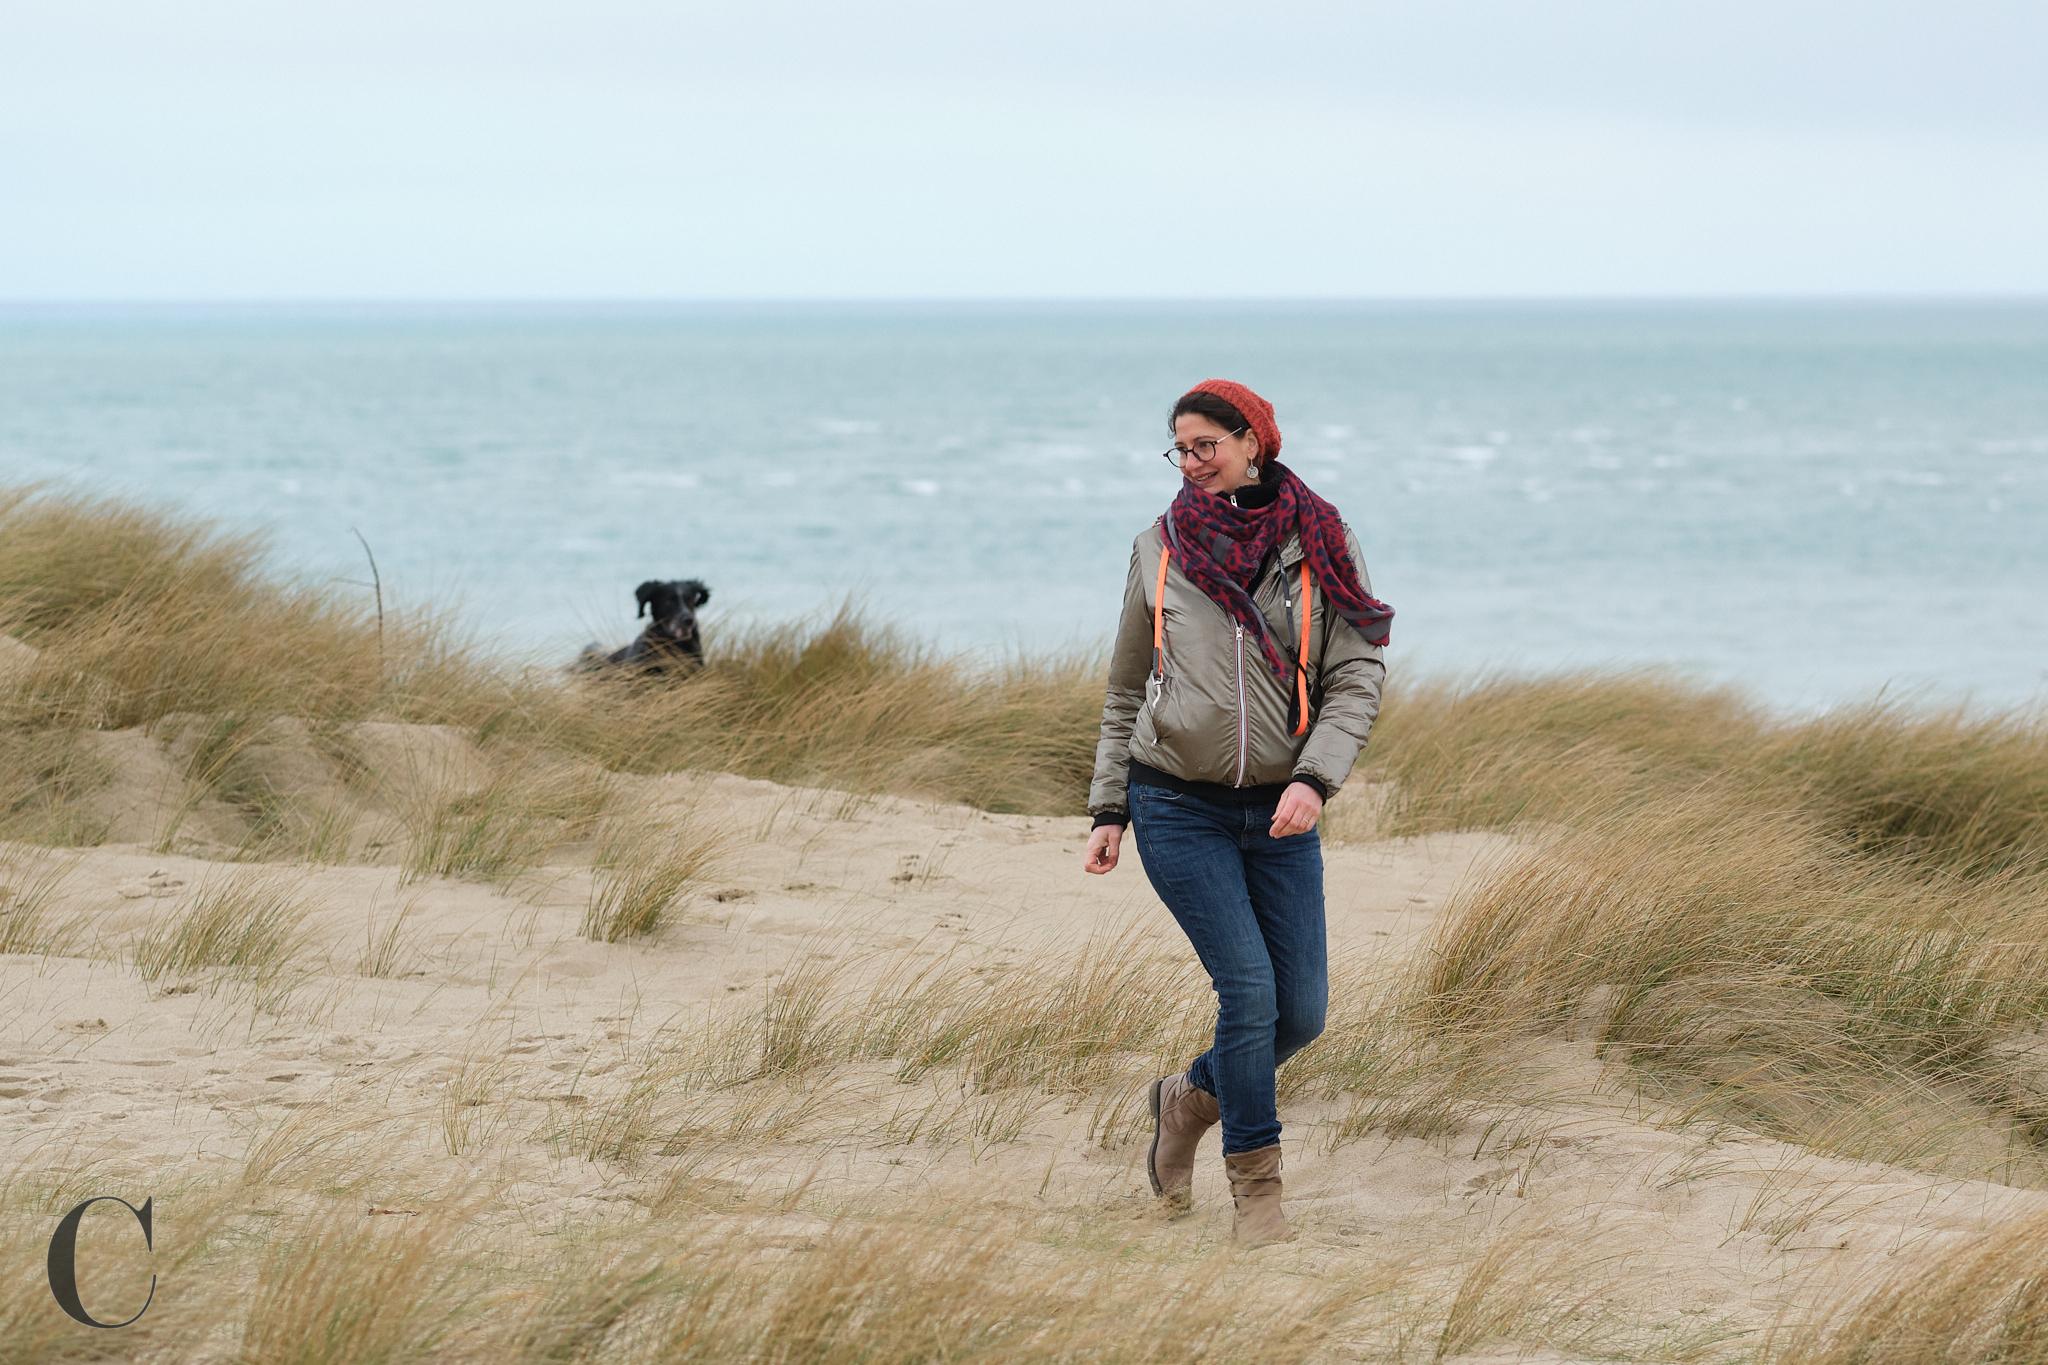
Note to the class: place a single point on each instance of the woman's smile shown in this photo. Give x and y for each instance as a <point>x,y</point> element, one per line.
<point>1211,456</point>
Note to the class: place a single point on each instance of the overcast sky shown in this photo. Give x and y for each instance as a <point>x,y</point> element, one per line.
<point>619,149</point>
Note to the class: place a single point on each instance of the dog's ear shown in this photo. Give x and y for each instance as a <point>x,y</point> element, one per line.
<point>695,594</point>
<point>644,594</point>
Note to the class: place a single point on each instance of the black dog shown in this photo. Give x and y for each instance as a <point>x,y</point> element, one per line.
<point>670,640</point>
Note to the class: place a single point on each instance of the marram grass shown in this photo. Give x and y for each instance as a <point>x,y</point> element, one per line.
<point>139,615</point>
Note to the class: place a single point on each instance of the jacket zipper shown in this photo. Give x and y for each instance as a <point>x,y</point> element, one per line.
<point>1241,720</point>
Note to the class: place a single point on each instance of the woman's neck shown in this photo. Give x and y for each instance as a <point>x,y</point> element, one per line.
<point>1255,495</point>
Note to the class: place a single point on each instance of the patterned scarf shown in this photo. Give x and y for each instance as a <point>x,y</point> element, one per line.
<point>1221,545</point>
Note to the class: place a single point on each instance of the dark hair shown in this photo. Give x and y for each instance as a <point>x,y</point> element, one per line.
<point>1207,405</point>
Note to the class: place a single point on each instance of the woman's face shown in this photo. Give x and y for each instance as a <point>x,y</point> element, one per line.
<point>1234,454</point>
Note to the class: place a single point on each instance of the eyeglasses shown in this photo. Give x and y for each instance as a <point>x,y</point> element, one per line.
<point>1204,449</point>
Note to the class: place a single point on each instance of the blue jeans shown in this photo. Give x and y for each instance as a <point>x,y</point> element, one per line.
<point>1252,906</point>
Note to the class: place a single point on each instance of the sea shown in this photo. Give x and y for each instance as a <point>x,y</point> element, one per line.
<point>1820,502</point>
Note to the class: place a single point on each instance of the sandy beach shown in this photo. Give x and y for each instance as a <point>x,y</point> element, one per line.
<point>433,1043</point>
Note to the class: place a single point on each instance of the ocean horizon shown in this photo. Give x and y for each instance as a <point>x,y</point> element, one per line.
<point>1821,501</point>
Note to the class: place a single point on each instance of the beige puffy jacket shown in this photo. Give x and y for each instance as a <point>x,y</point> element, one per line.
<point>1220,715</point>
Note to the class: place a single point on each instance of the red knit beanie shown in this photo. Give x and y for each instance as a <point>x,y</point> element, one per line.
<point>1257,411</point>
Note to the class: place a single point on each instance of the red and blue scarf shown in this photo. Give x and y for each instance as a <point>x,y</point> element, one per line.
<point>1220,547</point>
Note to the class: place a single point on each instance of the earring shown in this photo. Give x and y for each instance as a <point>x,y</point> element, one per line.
<point>1251,473</point>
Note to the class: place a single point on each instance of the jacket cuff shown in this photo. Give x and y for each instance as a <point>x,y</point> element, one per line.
<point>1111,817</point>
<point>1322,792</point>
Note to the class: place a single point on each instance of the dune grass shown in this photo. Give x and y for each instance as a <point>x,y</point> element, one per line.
<point>1855,1003</point>
<point>1943,787</point>
<point>390,949</point>
<point>356,1288</point>
<point>227,759</point>
<point>246,931</point>
<point>934,1052</point>
<point>329,1147</point>
<point>706,1210</point>
<point>1829,930</point>
<point>644,870</point>
<point>509,825</point>
<point>47,779</point>
<point>1864,874</point>
<point>30,921</point>
<point>139,615</point>
<point>1088,1024</point>
<point>1978,1298</point>
<point>334,1284</point>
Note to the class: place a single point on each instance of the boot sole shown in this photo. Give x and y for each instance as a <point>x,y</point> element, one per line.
<point>1152,1155</point>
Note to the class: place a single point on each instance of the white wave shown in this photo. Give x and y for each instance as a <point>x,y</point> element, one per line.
<point>1476,456</point>
<point>924,488</point>
<point>1070,451</point>
<point>846,426</point>
<point>656,478</point>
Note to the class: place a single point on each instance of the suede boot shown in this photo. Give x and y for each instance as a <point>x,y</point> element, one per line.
<point>1181,1113</point>
<point>1255,1190</point>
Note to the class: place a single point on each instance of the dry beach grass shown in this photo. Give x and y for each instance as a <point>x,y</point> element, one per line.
<point>448,1011</point>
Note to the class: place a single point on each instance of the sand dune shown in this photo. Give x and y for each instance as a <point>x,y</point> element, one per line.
<point>428,1034</point>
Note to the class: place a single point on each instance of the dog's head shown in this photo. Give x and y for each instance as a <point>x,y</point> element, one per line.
<point>660,598</point>
<point>673,605</point>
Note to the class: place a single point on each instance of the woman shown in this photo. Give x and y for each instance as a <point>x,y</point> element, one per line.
<point>1229,720</point>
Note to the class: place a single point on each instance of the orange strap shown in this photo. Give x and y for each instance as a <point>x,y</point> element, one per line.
<point>1159,634</point>
<point>1301,674</point>
<point>1159,619</point>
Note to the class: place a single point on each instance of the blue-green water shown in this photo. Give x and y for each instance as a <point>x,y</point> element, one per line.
<point>1815,500</point>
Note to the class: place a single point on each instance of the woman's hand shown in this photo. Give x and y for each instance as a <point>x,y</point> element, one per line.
<point>1298,811</point>
<point>1102,847</point>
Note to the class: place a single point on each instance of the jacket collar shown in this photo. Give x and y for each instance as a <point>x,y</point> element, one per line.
<point>1256,494</point>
